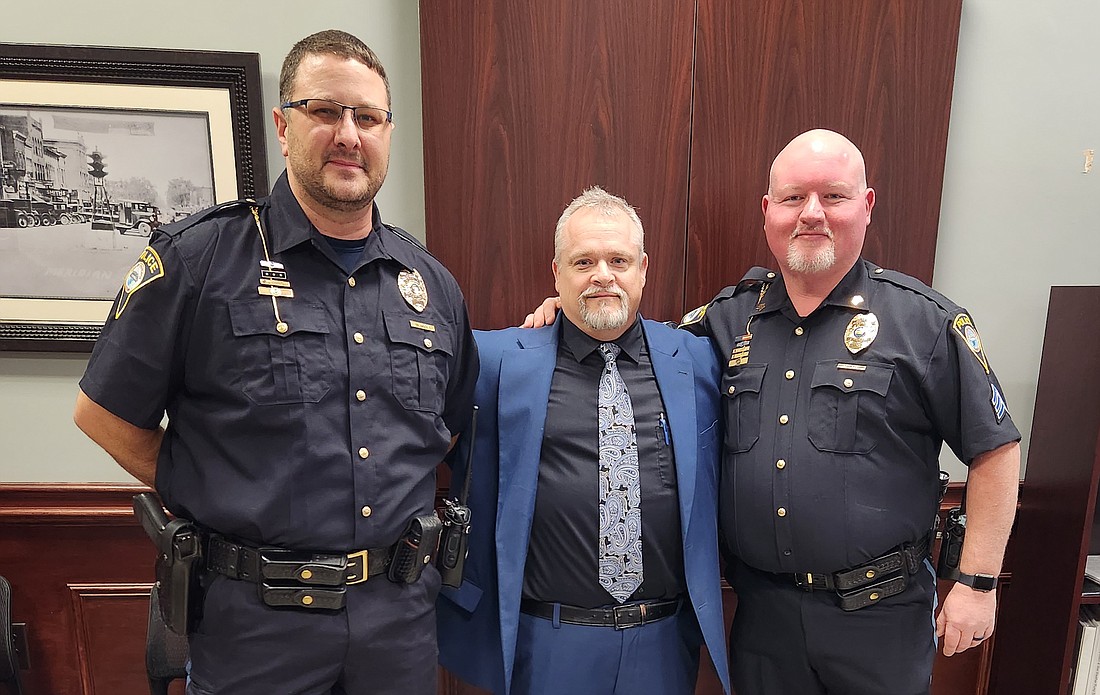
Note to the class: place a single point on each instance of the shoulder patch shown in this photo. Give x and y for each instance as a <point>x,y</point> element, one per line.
<point>964,327</point>
<point>694,316</point>
<point>147,269</point>
<point>174,228</point>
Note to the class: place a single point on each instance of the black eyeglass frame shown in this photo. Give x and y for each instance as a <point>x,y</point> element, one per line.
<point>343,108</point>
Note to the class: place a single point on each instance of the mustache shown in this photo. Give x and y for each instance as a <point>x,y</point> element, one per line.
<point>336,156</point>
<point>610,289</point>
<point>803,229</point>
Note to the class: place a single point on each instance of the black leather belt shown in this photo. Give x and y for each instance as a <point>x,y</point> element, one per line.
<point>618,617</point>
<point>296,578</point>
<point>868,583</point>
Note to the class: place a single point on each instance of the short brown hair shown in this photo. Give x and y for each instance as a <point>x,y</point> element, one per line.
<point>331,42</point>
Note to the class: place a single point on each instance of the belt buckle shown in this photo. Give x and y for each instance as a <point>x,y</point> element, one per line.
<point>804,581</point>
<point>358,559</point>
<point>635,612</point>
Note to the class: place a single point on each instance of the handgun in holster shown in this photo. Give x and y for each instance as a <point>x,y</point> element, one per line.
<point>179,555</point>
<point>454,543</point>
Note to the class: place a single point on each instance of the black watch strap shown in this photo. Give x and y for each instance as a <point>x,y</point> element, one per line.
<point>978,582</point>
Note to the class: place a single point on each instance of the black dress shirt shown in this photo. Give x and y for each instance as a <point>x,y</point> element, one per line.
<point>562,557</point>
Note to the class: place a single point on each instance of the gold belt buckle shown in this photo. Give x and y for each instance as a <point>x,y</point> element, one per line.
<point>357,559</point>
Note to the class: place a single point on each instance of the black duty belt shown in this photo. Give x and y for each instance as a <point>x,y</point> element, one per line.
<point>872,581</point>
<point>302,579</point>
<point>618,617</point>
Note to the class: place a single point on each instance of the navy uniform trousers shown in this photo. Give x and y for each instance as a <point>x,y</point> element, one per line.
<point>385,635</point>
<point>869,651</point>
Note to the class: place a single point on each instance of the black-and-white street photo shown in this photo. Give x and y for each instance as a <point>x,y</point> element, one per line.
<point>82,189</point>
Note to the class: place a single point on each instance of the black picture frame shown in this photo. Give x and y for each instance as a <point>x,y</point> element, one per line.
<point>51,323</point>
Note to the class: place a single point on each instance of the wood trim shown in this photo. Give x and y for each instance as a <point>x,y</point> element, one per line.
<point>70,504</point>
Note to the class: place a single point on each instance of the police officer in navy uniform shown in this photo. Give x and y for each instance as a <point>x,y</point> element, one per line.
<point>841,382</point>
<point>315,365</point>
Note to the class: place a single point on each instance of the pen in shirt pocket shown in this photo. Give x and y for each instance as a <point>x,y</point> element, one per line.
<point>664,428</point>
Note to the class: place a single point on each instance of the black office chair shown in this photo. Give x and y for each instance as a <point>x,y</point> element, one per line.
<point>165,651</point>
<point>9,664</point>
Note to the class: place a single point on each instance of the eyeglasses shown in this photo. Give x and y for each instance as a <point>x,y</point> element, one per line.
<point>329,112</point>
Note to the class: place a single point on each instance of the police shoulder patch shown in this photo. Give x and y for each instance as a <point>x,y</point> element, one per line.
<point>694,316</point>
<point>147,269</point>
<point>964,327</point>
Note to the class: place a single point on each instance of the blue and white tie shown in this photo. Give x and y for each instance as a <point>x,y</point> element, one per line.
<point>620,539</point>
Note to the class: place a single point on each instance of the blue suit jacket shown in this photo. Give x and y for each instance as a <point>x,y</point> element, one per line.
<point>478,622</point>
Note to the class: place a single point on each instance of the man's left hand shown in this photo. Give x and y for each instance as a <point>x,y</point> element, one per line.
<point>966,618</point>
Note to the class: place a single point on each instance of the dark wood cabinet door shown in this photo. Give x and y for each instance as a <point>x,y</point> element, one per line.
<point>528,103</point>
<point>879,71</point>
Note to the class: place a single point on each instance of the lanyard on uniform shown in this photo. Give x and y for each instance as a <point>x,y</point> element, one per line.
<point>759,306</point>
<point>272,292</point>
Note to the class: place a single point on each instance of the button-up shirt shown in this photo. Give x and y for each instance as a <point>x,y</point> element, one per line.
<point>831,452</point>
<point>311,421</point>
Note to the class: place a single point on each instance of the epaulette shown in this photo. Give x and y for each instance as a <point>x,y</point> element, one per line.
<point>753,279</point>
<point>401,233</point>
<point>174,228</point>
<point>914,285</point>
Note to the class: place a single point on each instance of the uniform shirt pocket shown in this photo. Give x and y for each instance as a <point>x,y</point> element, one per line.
<point>280,368</point>
<point>741,391</point>
<point>847,400</point>
<point>419,361</point>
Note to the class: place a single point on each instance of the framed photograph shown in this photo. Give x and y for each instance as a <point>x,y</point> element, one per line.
<point>99,147</point>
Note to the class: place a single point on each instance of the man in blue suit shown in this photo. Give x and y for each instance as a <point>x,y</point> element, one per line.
<point>593,560</point>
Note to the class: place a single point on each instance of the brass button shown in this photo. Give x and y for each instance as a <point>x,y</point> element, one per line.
<point>771,275</point>
<point>428,343</point>
<point>781,511</point>
<point>307,600</point>
<point>789,374</point>
<point>357,337</point>
<point>874,596</point>
<point>732,389</point>
<point>780,464</point>
<point>848,383</point>
<point>783,419</point>
<point>799,331</point>
<point>361,395</point>
<point>878,271</point>
<point>870,574</point>
<point>351,282</point>
<point>306,574</point>
<point>282,327</point>
<point>363,453</point>
<point>857,300</point>
<point>366,511</point>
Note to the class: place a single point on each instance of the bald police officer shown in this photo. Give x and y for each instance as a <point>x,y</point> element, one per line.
<point>314,363</point>
<point>842,381</point>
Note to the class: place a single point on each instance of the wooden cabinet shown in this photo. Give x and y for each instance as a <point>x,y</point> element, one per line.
<point>1056,527</point>
<point>679,107</point>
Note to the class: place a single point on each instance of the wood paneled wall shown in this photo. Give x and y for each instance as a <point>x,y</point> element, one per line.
<point>878,71</point>
<point>680,108</point>
<point>80,568</point>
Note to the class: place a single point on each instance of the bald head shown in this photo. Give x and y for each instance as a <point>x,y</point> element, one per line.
<point>821,145</point>
<point>817,209</point>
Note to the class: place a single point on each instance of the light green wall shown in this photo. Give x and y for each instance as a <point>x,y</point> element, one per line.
<point>1018,215</point>
<point>38,441</point>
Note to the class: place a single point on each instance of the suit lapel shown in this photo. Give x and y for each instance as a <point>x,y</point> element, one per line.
<point>676,379</point>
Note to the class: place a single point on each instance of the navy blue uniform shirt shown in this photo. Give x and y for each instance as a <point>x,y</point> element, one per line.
<point>312,422</point>
<point>832,457</point>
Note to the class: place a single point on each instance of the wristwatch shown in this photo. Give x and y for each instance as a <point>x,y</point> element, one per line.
<point>978,582</point>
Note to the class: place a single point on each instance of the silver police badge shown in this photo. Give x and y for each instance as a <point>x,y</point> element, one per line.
<point>861,332</point>
<point>412,288</point>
